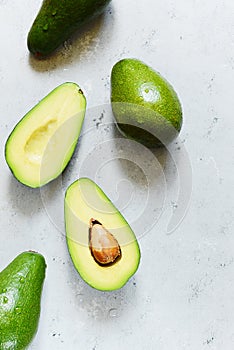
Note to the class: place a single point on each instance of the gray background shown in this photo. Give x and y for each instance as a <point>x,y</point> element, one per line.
<point>182,296</point>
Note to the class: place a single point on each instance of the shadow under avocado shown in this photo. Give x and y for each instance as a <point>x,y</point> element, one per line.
<point>160,152</point>
<point>79,44</point>
<point>149,168</point>
<point>101,305</point>
<point>25,199</point>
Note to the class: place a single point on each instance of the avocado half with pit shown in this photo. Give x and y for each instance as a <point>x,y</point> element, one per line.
<point>102,245</point>
<point>42,143</point>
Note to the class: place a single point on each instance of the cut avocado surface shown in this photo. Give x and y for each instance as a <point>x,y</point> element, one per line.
<point>42,143</point>
<point>88,208</point>
<point>21,284</point>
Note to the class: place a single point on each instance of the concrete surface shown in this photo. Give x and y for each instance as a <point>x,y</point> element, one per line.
<point>182,296</point>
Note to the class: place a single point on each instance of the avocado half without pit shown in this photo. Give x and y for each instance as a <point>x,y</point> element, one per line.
<point>103,247</point>
<point>42,143</point>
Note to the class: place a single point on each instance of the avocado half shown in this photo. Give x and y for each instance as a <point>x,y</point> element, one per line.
<point>42,143</point>
<point>85,201</point>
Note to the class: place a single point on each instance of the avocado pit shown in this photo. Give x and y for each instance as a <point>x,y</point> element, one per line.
<point>103,246</point>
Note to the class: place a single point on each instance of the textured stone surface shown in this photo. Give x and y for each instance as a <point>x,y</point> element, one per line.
<point>182,296</point>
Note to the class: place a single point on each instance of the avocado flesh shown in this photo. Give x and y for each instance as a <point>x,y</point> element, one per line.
<point>58,20</point>
<point>21,285</point>
<point>42,143</point>
<point>145,105</point>
<point>85,200</point>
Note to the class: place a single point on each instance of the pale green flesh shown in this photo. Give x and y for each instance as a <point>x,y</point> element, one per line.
<point>42,143</point>
<point>85,200</point>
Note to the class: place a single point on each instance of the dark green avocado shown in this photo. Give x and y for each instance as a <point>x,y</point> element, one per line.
<point>145,105</point>
<point>21,285</point>
<point>57,20</point>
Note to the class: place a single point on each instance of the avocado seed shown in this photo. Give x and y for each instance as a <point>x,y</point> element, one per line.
<point>103,245</point>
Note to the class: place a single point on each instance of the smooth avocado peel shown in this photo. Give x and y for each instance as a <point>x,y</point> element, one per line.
<point>57,20</point>
<point>101,243</point>
<point>145,106</point>
<point>21,284</point>
<point>42,143</point>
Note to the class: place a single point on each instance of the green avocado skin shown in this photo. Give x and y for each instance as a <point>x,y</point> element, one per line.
<point>145,105</point>
<point>57,20</point>
<point>21,285</point>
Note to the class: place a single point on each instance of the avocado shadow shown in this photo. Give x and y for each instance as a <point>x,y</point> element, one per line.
<point>99,305</point>
<point>24,199</point>
<point>82,43</point>
<point>150,177</point>
<point>161,153</point>
<point>53,193</point>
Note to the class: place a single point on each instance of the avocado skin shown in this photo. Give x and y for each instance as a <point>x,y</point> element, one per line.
<point>21,285</point>
<point>153,119</point>
<point>57,20</point>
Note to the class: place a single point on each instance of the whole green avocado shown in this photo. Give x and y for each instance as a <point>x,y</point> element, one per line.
<point>57,20</point>
<point>21,285</point>
<point>145,105</point>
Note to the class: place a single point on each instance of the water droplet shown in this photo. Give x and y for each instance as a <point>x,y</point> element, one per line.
<point>5,300</point>
<point>66,45</point>
<point>18,310</point>
<point>113,312</point>
<point>22,279</point>
<point>140,121</point>
<point>46,26</point>
<point>4,290</point>
<point>54,13</point>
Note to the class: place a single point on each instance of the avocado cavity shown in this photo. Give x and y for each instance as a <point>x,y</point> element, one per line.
<point>36,144</point>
